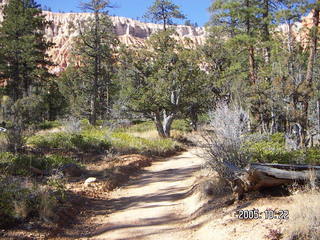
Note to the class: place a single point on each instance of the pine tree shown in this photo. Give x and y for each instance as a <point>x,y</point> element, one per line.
<point>24,62</point>
<point>164,11</point>
<point>96,47</point>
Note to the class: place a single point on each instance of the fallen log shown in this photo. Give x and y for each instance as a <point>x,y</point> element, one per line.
<point>257,176</point>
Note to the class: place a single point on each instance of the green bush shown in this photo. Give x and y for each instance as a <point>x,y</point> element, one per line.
<point>271,149</point>
<point>181,125</point>
<point>19,164</point>
<point>12,195</point>
<point>101,139</point>
<point>18,202</point>
<point>69,141</point>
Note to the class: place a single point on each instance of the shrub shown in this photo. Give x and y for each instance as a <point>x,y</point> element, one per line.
<point>181,125</point>
<point>271,149</point>
<point>264,148</point>
<point>12,196</point>
<point>72,125</point>
<point>19,164</point>
<point>18,202</point>
<point>224,142</point>
<point>69,141</point>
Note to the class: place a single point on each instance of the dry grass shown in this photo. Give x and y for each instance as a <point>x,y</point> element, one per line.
<point>149,134</point>
<point>304,222</point>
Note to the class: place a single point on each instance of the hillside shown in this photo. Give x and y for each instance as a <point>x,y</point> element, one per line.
<point>131,32</point>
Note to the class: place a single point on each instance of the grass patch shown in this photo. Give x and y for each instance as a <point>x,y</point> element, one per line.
<point>127,143</point>
<point>304,221</point>
<point>48,125</point>
<point>178,124</point>
<point>123,140</point>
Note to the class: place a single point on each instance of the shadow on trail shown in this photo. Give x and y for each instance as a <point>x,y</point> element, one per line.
<point>165,194</point>
<point>169,175</point>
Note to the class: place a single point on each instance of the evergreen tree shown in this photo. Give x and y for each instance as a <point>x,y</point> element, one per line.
<point>164,11</point>
<point>24,62</point>
<point>162,80</point>
<point>96,49</point>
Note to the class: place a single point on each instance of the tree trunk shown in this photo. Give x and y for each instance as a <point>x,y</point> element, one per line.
<point>318,115</point>
<point>251,55</point>
<point>257,176</point>
<point>266,32</point>
<point>163,124</point>
<point>252,74</point>
<point>94,98</point>
<point>311,60</point>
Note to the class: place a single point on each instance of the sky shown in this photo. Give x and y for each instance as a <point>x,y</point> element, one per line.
<point>196,10</point>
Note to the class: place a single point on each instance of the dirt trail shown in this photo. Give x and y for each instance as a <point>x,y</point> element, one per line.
<point>151,206</point>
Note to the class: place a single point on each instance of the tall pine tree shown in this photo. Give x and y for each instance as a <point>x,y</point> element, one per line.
<point>24,62</point>
<point>96,47</point>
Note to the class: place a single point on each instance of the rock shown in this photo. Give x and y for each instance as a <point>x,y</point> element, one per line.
<point>71,170</point>
<point>89,181</point>
<point>63,31</point>
<point>208,188</point>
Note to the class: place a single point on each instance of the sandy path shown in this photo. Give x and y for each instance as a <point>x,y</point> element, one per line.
<point>151,206</point>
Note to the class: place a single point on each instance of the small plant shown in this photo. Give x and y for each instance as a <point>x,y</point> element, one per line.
<point>72,125</point>
<point>58,184</point>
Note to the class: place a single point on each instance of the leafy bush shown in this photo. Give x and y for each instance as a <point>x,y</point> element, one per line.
<point>19,164</point>
<point>264,148</point>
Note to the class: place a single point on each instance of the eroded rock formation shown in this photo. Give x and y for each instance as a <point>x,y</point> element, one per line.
<point>64,28</point>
